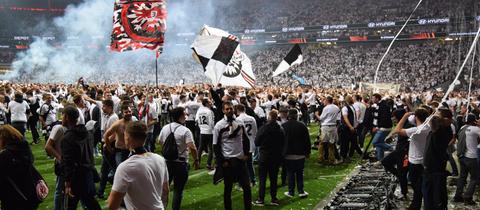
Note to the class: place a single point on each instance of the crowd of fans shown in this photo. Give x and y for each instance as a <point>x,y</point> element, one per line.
<point>284,13</point>
<point>201,118</point>
<point>7,57</point>
<point>408,64</point>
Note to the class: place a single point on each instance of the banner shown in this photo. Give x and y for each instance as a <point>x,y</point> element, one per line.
<point>382,87</point>
<point>423,36</point>
<point>358,38</point>
<point>222,60</point>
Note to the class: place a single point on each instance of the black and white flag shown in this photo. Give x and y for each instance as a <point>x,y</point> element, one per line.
<point>294,57</point>
<point>222,60</point>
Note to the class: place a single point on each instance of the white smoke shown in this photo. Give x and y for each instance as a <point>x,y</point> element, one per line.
<point>83,34</point>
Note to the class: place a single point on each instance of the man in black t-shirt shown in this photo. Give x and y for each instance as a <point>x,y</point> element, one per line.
<point>394,162</point>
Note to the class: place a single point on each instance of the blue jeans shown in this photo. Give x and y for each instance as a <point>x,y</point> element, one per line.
<point>295,173</point>
<point>120,156</point>
<point>150,143</point>
<point>379,142</point>
<point>58,196</point>
<point>106,171</point>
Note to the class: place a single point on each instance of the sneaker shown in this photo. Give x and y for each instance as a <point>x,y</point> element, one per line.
<point>275,202</point>
<point>458,199</point>
<point>212,172</point>
<point>303,195</point>
<point>288,194</point>
<point>258,203</point>
<point>470,202</point>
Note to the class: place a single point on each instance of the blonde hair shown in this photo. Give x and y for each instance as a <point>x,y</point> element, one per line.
<point>10,134</point>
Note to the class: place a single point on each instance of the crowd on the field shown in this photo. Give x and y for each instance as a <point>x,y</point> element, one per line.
<point>237,128</point>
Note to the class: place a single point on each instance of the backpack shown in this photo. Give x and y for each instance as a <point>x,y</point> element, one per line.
<point>45,115</point>
<point>461,143</point>
<point>169,148</point>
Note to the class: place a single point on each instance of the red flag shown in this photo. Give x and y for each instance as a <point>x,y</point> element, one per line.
<point>139,24</point>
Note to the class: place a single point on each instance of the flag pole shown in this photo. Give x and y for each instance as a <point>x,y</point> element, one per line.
<point>156,70</point>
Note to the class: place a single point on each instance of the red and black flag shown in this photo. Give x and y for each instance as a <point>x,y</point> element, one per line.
<point>139,24</point>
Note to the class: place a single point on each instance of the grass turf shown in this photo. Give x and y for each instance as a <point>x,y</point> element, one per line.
<point>200,193</point>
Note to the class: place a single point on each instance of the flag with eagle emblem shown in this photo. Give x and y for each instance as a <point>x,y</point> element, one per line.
<point>222,60</point>
<point>139,24</point>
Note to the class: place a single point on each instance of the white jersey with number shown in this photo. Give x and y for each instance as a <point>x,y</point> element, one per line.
<point>205,119</point>
<point>192,108</point>
<point>250,128</point>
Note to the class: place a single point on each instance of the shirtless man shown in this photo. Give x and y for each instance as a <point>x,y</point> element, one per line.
<point>116,134</point>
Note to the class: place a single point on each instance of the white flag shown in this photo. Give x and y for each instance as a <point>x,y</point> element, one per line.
<point>294,57</point>
<point>223,61</point>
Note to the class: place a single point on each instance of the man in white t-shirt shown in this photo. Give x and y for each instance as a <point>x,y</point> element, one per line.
<point>468,162</point>
<point>80,104</point>
<point>149,115</point>
<point>416,151</point>
<point>360,109</point>
<point>108,118</point>
<point>18,109</point>
<point>329,133</point>
<point>48,115</point>
<point>53,148</point>
<point>251,131</point>
<point>347,137</point>
<point>178,169</point>
<point>205,119</point>
<point>141,180</point>
<point>191,107</point>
